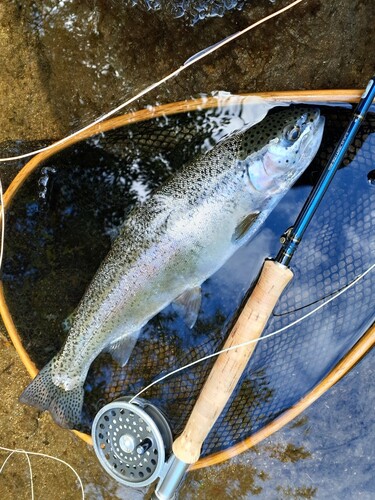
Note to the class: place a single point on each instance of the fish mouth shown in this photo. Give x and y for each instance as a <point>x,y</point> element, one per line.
<point>309,146</point>
<point>320,121</point>
<point>319,126</point>
<point>313,139</point>
<point>316,118</point>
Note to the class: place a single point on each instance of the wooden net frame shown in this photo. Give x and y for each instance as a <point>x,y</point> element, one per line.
<point>363,346</point>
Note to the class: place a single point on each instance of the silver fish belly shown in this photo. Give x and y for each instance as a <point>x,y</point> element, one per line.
<point>172,243</point>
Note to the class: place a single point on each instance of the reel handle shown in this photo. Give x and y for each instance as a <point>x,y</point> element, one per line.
<point>229,365</point>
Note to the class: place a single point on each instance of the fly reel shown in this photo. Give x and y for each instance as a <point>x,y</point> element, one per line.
<point>132,441</point>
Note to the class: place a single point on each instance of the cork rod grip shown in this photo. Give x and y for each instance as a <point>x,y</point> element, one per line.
<point>230,365</point>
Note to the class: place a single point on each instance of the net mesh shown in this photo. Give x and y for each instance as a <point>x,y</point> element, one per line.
<point>60,227</point>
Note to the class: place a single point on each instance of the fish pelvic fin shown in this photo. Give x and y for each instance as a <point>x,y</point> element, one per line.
<point>188,305</point>
<point>244,226</point>
<point>64,406</point>
<point>121,349</point>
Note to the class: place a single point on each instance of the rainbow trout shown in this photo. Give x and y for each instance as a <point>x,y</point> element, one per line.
<point>172,243</point>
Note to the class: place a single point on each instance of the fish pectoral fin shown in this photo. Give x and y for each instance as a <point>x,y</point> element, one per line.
<point>121,349</point>
<point>244,226</point>
<point>188,305</point>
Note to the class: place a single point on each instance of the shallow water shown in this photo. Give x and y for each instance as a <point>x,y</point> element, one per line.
<point>73,71</point>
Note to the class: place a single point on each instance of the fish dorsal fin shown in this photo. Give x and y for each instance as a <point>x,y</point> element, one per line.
<point>243,227</point>
<point>121,349</point>
<point>188,305</point>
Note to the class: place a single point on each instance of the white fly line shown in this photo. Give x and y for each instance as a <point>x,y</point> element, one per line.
<point>27,453</point>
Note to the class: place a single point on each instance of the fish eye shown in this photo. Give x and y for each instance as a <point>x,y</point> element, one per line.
<point>292,132</point>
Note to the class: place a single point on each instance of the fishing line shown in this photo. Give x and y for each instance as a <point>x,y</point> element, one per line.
<point>27,453</point>
<point>272,334</point>
<point>309,304</point>
<point>30,469</point>
<point>189,62</point>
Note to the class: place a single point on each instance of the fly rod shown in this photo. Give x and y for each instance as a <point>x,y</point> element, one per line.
<point>274,277</point>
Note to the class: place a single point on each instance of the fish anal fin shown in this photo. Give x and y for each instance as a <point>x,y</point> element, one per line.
<point>188,305</point>
<point>243,227</point>
<point>121,349</point>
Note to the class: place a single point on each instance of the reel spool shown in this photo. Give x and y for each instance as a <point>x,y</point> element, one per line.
<point>132,441</point>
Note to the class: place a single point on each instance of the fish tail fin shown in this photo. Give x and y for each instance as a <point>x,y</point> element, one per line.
<point>64,406</point>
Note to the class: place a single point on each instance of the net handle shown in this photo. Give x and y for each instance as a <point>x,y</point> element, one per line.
<point>230,365</point>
